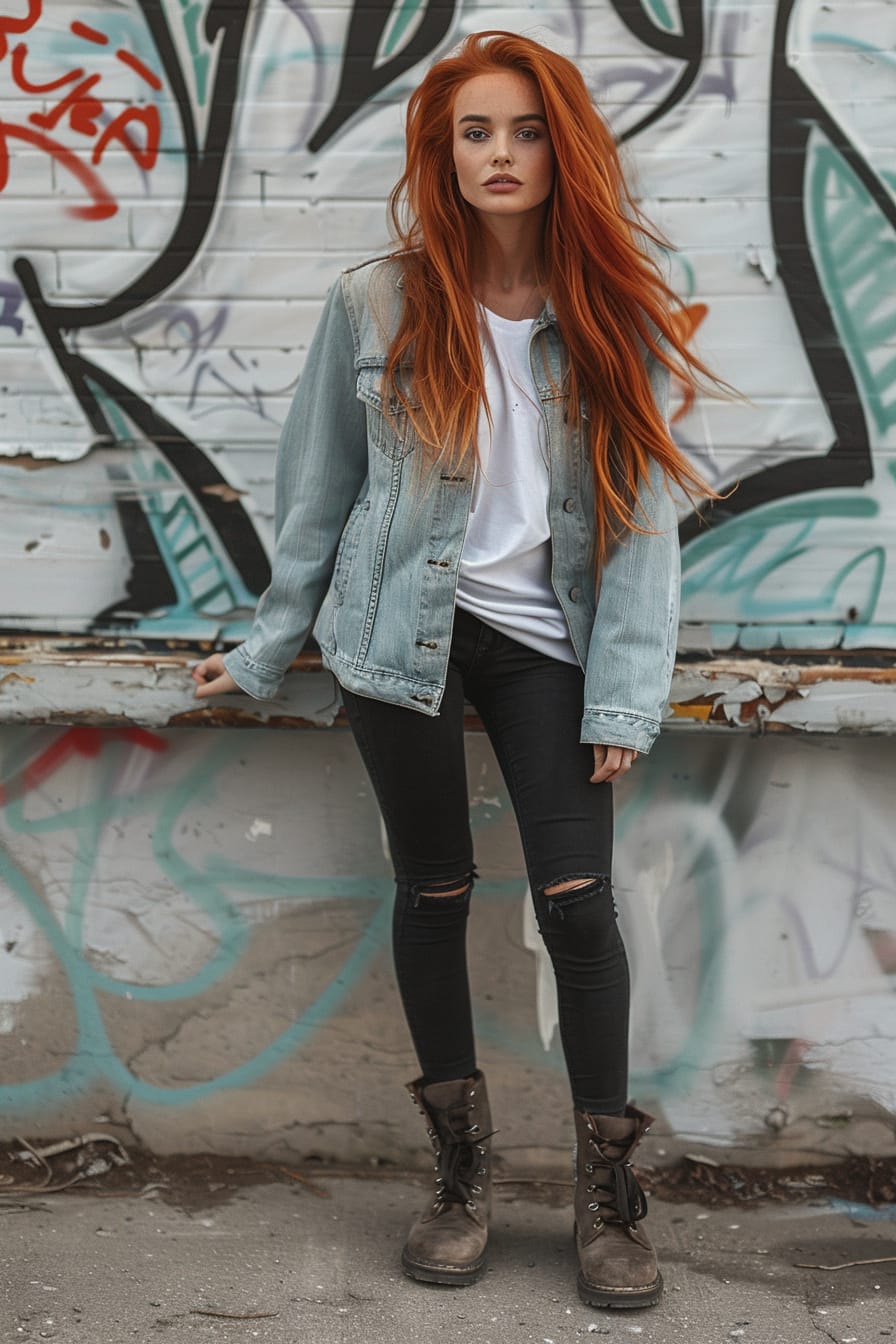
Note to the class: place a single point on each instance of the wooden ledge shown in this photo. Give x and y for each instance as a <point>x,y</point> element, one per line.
<point>81,680</point>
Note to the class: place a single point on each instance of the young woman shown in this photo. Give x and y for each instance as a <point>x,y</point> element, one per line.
<point>473,503</point>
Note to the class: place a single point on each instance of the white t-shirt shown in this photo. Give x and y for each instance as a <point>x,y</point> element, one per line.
<point>505,567</point>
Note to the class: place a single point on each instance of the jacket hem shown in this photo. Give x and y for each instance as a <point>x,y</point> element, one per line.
<point>619,728</point>
<point>380,684</point>
<point>261,684</point>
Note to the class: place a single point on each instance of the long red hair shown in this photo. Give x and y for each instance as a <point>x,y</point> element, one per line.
<point>607,291</point>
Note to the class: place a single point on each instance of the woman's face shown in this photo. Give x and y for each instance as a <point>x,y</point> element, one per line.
<point>502,151</point>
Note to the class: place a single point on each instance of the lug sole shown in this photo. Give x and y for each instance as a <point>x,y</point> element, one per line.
<point>443,1274</point>
<point>594,1296</point>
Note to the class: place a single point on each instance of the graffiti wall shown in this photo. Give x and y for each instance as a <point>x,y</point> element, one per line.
<point>181,181</point>
<point>192,926</point>
<point>195,942</point>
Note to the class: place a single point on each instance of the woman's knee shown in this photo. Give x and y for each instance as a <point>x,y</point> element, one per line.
<point>578,905</point>
<point>439,894</point>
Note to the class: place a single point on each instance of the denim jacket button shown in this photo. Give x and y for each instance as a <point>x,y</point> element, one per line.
<point>575,594</point>
<point>569,506</point>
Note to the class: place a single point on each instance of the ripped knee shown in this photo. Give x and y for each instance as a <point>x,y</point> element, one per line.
<point>565,892</point>
<point>570,884</point>
<point>453,891</point>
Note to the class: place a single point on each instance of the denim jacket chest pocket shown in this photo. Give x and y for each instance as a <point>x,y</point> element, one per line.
<point>389,426</point>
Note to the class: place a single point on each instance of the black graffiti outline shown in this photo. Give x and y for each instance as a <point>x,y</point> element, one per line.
<point>150,586</point>
<point>794,112</point>
<point>359,79</point>
<point>686,46</point>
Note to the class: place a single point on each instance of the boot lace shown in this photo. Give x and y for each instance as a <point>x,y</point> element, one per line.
<point>460,1157</point>
<point>458,1164</point>
<point>623,1197</point>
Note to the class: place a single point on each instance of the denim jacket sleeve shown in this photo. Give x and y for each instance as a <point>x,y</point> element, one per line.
<point>321,468</point>
<point>631,655</point>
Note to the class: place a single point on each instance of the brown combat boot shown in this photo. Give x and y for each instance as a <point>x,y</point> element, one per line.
<point>618,1263</point>
<point>447,1242</point>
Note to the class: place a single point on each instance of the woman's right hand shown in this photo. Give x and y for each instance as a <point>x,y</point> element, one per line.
<point>212,678</point>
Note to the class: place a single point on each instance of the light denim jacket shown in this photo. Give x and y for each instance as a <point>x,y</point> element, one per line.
<point>369,557</point>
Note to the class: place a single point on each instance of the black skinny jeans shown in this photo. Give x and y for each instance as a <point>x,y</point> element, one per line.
<point>531,707</point>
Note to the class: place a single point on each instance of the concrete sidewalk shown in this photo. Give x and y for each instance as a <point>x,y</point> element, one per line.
<point>323,1267</point>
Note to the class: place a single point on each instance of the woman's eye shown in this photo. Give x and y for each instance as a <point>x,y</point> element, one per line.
<point>528,134</point>
<point>476,133</point>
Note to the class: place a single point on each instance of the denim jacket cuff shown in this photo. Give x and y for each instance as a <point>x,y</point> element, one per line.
<point>257,680</point>
<point>619,728</point>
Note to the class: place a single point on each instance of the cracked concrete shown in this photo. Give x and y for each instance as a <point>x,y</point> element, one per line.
<point>321,1263</point>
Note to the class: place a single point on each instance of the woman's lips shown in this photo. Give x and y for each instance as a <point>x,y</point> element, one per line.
<point>502,183</point>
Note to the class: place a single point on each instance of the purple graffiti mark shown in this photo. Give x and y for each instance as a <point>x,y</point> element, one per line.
<point>11,299</point>
<point>179,318</point>
<point>687,46</point>
<point>752,832</point>
<point>723,81</point>
<point>861,882</point>
<point>801,934</point>
<point>184,331</point>
<point>300,11</point>
<point>647,82</point>
<point>253,399</point>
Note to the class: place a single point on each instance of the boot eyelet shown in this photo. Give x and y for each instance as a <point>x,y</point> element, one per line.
<point>593,1208</point>
<point>477,1189</point>
<point>480,1171</point>
<point>591,1189</point>
<point>471,1204</point>
<point>589,1168</point>
<point>472,1129</point>
<point>480,1149</point>
<point>598,1222</point>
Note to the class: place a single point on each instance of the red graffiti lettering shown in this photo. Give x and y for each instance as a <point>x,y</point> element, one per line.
<point>137,65</point>
<point>81,111</point>
<point>103,205</point>
<point>87,742</point>
<point>148,118</point>
<point>89,34</point>
<point>25,84</point>
<point>18,26</point>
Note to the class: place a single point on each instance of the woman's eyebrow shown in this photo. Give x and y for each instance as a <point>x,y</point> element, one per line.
<point>530,116</point>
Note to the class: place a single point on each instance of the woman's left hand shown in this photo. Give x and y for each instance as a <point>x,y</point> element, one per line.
<point>611,763</point>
